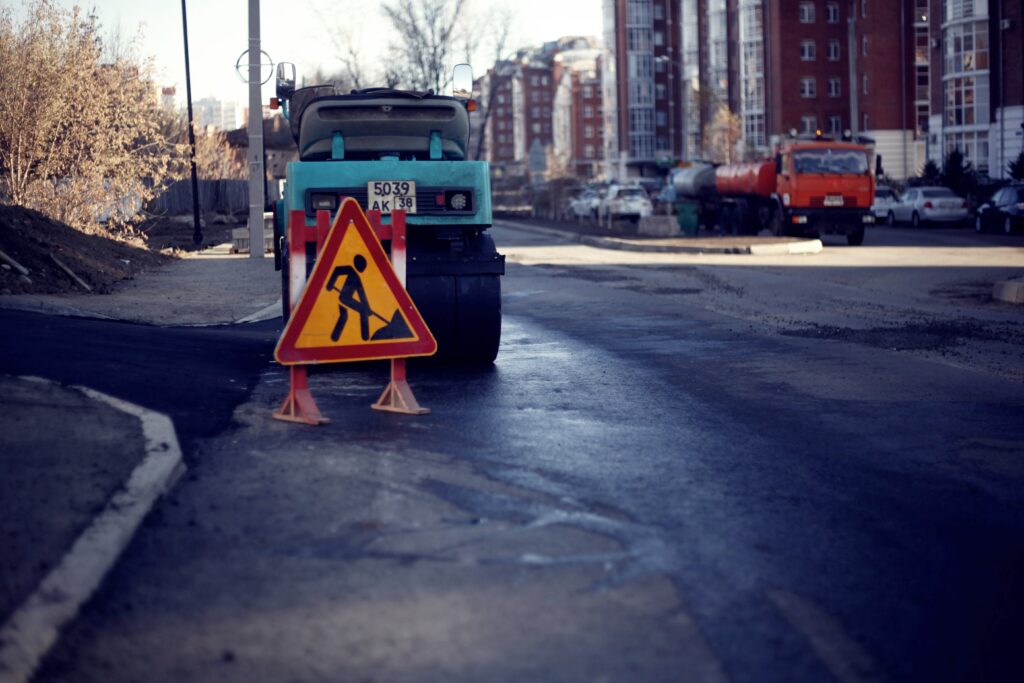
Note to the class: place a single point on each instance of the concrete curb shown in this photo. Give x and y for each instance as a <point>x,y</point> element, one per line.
<point>34,627</point>
<point>780,248</point>
<point>1009,291</point>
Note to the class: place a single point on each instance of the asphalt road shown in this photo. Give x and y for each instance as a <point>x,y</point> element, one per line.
<point>644,487</point>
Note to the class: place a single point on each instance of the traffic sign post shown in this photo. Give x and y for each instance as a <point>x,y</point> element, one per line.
<point>354,307</point>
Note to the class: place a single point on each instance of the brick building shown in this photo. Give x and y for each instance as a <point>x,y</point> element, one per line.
<point>919,77</point>
<point>577,112</point>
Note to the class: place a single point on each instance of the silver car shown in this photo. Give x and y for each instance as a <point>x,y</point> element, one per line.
<point>920,205</point>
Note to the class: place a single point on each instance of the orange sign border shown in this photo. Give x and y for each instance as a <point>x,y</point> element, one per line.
<point>287,353</point>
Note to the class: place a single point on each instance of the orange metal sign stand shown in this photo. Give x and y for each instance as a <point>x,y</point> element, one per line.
<point>299,406</point>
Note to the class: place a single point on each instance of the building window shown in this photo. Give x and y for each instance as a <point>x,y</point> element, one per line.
<point>659,91</point>
<point>588,91</point>
<point>833,50</point>
<point>806,12</point>
<point>534,80</point>
<point>834,87</point>
<point>865,128</point>
<point>808,124</point>
<point>588,131</point>
<point>501,137</point>
<point>808,88</point>
<point>501,99</point>
<point>835,124</point>
<point>967,101</point>
<point>832,13</point>
<point>966,47</point>
<point>588,111</point>
<point>535,128</point>
<point>535,112</point>
<point>807,50</point>
<point>661,118</point>
<point>543,80</point>
<point>588,151</point>
<point>501,124</point>
<point>659,38</point>
<point>864,84</point>
<point>864,46</point>
<point>863,8</point>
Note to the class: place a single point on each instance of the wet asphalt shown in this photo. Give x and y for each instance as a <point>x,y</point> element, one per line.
<point>821,510</point>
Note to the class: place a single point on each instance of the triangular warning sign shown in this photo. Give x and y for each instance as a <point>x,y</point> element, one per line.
<point>353,307</point>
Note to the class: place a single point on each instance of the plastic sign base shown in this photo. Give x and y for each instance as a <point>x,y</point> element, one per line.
<point>398,396</point>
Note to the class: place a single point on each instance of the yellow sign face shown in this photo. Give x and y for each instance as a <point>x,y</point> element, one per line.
<point>354,307</point>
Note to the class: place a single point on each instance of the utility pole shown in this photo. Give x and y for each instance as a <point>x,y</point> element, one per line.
<point>197,231</point>
<point>256,173</point>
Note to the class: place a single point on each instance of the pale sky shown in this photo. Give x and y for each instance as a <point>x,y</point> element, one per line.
<point>292,31</point>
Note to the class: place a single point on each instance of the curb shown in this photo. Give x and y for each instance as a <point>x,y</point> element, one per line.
<point>813,246</point>
<point>1009,291</point>
<point>35,626</point>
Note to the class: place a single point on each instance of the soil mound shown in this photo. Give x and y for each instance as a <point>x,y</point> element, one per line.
<point>42,245</point>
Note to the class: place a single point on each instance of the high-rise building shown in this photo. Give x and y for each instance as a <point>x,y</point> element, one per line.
<point>918,77</point>
<point>976,67</point>
<point>215,113</point>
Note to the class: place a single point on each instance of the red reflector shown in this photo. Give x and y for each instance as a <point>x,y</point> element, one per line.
<point>439,199</point>
<point>275,103</point>
<point>928,205</point>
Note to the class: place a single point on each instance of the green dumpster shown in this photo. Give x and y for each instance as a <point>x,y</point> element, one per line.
<point>687,217</point>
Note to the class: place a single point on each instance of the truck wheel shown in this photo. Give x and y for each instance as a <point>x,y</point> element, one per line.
<point>855,238</point>
<point>778,225</point>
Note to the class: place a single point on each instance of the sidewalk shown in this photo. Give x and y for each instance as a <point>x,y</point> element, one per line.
<point>706,243</point>
<point>81,470</point>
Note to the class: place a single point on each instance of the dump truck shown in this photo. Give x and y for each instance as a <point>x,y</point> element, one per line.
<point>812,186</point>
<point>392,149</point>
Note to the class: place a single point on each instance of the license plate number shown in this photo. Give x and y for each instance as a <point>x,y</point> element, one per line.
<point>833,200</point>
<point>391,195</point>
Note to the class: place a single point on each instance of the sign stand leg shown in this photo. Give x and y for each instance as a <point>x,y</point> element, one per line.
<point>299,405</point>
<point>398,396</point>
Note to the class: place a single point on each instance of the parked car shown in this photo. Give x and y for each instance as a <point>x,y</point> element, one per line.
<point>584,204</point>
<point>629,202</point>
<point>884,199</point>
<point>1005,211</point>
<point>921,205</point>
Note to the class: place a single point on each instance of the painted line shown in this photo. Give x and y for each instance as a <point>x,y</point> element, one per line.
<point>34,628</point>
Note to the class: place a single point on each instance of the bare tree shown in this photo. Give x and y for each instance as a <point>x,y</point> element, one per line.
<point>722,134</point>
<point>428,32</point>
<point>78,135</point>
<point>353,74</point>
<point>500,23</point>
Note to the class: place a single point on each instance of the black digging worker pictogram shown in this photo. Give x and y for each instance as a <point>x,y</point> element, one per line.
<point>352,295</point>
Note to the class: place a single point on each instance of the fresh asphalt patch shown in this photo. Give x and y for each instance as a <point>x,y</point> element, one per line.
<point>917,336</point>
<point>195,375</point>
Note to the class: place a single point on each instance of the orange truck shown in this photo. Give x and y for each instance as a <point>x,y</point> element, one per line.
<point>811,187</point>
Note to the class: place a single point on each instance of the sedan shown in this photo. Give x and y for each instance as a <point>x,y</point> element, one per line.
<point>626,202</point>
<point>928,205</point>
<point>584,204</point>
<point>1004,212</point>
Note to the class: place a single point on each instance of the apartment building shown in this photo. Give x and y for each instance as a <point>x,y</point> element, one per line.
<point>918,77</point>
<point>577,142</point>
<point>976,87</point>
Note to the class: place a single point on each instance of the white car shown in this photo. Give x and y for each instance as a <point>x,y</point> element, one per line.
<point>921,205</point>
<point>584,204</point>
<point>629,202</point>
<point>884,199</point>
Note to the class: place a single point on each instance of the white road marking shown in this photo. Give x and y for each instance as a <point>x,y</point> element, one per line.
<point>34,628</point>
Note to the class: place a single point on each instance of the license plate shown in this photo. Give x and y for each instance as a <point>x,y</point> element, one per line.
<point>833,200</point>
<point>391,195</point>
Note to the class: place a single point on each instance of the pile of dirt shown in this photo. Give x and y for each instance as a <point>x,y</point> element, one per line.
<point>48,249</point>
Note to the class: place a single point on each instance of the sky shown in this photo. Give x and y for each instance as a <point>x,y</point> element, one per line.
<point>296,31</point>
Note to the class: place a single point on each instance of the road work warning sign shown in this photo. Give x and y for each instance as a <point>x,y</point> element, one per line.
<point>353,307</point>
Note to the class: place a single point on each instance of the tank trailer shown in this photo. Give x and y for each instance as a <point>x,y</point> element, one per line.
<point>811,187</point>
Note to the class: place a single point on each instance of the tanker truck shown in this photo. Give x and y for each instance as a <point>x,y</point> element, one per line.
<point>398,149</point>
<point>811,187</point>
